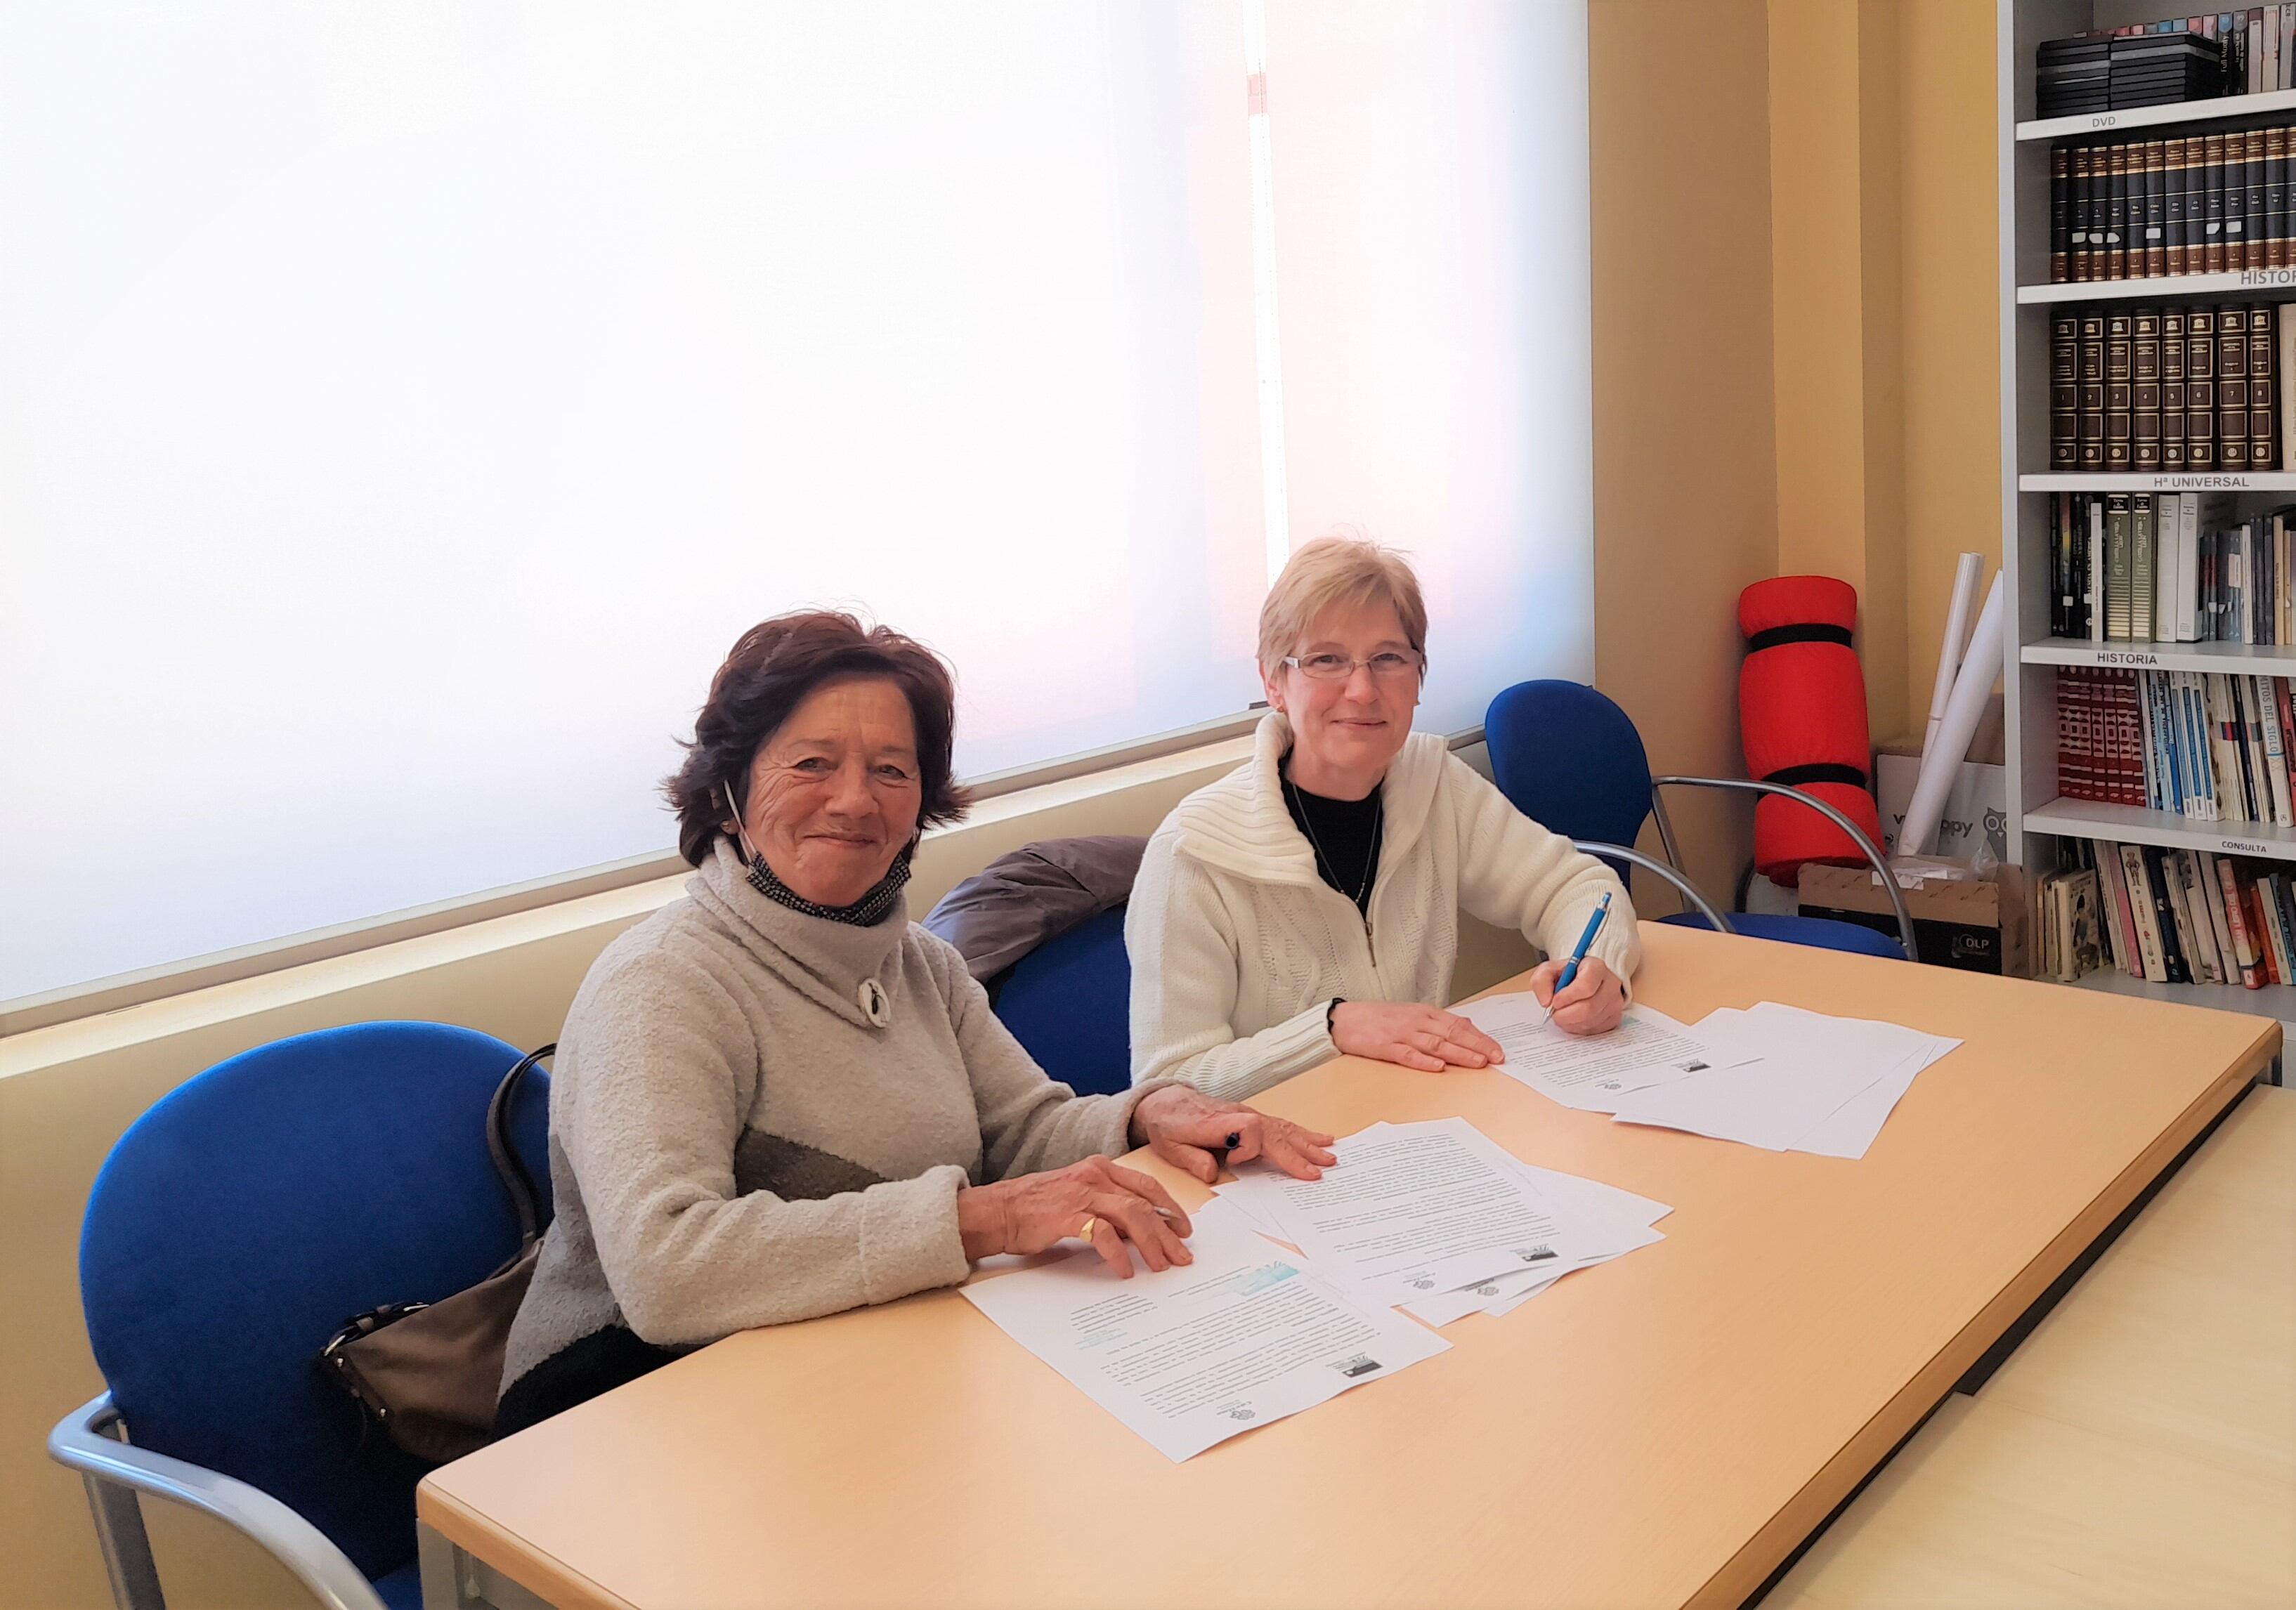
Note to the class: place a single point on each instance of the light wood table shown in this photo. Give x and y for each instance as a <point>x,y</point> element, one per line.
<point>1660,1431</point>
<point>2138,1450</point>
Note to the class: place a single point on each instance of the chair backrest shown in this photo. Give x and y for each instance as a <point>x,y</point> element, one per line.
<point>1571,760</point>
<point>1068,1004</point>
<point>255,1208</point>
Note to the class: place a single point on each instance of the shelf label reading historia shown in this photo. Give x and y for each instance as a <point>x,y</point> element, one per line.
<point>2123,656</point>
<point>2266,276</point>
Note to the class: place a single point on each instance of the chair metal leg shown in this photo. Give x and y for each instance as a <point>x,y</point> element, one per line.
<point>1665,829</point>
<point>126,1545</point>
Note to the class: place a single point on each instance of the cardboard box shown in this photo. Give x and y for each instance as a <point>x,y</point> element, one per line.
<point>1978,928</point>
<point>1977,803</point>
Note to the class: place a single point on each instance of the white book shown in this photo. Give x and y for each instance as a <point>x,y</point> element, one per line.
<point>2187,616</point>
<point>2270,78</point>
<point>2275,761</point>
<point>2222,757</point>
<point>2212,893</point>
<point>2096,570</point>
<point>2287,333</point>
<point>2167,543</point>
<point>2255,54</point>
<point>2180,914</point>
<point>2196,911</point>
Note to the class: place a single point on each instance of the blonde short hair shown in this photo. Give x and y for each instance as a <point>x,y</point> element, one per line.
<point>1337,570</point>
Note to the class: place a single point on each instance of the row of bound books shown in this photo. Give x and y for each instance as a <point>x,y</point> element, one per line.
<point>2205,204</point>
<point>2170,568</point>
<point>2171,916</point>
<point>2208,746</point>
<point>2171,388</point>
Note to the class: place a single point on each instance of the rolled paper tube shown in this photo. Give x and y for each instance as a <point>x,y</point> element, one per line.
<point>1979,667</point>
<point>1966,575</point>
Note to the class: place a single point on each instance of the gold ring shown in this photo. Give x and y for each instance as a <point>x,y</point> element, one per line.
<point>1086,1233</point>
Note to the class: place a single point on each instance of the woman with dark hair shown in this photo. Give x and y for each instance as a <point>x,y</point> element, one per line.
<point>777,1098</point>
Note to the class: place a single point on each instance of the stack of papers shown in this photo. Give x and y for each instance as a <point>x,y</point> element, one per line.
<point>1775,1076</point>
<point>1205,1351</point>
<point>1816,1084</point>
<point>1441,1220</point>
<point>1434,1219</point>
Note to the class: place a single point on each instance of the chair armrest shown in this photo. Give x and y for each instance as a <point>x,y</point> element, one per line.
<point>78,1442</point>
<point>1683,886</point>
<point>1857,835</point>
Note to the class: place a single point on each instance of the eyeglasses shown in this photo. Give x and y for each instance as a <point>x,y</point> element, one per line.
<point>1387,666</point>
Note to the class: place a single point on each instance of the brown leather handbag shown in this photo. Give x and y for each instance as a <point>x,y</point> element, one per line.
<point>426,1374</point>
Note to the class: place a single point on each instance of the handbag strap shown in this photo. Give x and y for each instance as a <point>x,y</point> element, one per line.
<point>508,1166</point>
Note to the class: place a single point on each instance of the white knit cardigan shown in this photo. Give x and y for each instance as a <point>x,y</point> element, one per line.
<point>1239,948</point>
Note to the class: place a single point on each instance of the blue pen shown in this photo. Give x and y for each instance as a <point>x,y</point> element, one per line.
<point>1585,943</point>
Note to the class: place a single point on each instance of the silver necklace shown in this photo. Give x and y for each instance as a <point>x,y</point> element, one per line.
<point>1371,861</point>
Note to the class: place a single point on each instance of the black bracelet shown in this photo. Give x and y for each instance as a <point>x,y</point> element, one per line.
<point>1332,1011</point>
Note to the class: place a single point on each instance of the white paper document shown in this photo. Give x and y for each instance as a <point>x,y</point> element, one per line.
<point>1821,1083</point>
<point>1588,1071</point>
<point>1206,1351</point>
<point>1609,1223</point>
<point>1412,1209</point>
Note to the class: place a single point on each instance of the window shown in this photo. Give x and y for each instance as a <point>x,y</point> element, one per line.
<point>410,404</point>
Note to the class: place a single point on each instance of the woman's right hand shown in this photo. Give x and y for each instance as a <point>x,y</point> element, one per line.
<point>1027,1215</point>
<point>1426,1037</point>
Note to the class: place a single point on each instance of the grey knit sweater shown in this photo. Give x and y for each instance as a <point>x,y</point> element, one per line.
<point>757,1116</point>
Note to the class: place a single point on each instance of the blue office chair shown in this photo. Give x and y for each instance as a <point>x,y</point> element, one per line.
<point>234,1227</point>
<point>1571,761</point>
<point>1069,1003</point>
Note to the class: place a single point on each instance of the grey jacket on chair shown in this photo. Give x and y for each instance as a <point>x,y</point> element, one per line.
<point>1038,892</point>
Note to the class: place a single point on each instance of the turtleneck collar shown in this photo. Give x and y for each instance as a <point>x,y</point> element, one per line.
<point>870,908</point>
<point>833,962</point>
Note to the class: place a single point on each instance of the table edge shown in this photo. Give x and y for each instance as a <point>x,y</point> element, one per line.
<point>1806,1511</point>
<point>532,1568</point>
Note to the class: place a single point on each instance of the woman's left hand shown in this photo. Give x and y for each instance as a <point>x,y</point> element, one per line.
<point>1186,1128</point>
<point>1593,1004</point>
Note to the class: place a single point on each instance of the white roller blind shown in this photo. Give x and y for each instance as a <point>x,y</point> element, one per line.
<point>406,406</point>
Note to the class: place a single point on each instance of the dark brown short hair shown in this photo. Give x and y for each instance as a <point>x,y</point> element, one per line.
<point>767,674</point>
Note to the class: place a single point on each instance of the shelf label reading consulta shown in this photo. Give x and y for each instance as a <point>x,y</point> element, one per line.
<point>2123,656</point>
<point>2236,846</point>
<point>2201,483</point>
<point>2268,277</point>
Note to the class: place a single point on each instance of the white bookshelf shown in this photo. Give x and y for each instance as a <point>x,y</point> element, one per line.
<point>2036,815</point>
<point>2224,110</point>
<point>2153,288</point>
<point>2237,658</point>
<point>2148,480</point>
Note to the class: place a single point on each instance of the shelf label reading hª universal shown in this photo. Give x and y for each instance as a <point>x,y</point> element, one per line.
<point>2201,483</point>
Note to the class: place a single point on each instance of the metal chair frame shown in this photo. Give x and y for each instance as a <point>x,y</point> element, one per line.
<point>92,1440</point>
<point>1742,785</point>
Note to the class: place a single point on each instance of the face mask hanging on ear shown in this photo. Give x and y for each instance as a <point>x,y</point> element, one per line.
<point>864,912</point>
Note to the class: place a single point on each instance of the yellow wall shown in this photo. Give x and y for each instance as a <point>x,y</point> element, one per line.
<point>1685,479</point>
<point>1731,441</point>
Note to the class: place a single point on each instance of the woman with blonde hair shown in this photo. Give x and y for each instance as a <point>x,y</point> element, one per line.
<point>1308,903</point>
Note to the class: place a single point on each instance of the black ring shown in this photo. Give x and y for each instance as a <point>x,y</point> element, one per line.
<point>1235,1138</point>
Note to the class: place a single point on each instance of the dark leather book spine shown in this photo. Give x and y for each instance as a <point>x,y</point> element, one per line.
<point>2156,206</point>
<point>2213,228</point>
<point>2178,171</point>
<point>2199,388</point>
<point>2119,396</point>
<point>2079,160</point>
<point>2059,552</point>
<point>2172,388</point>
<point>2236,206</point>
<point>2144,389</point>
<point>2263,389</point>
<point>2116,214</point>
<point>2060,225</point>
<point>2276,194</point>
<point>2064,391</point>
<point>2252,176</point>
<point>2232,387</point>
